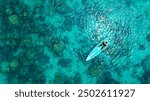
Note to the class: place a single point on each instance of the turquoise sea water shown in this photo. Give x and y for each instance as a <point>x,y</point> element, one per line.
<point>47,41</point>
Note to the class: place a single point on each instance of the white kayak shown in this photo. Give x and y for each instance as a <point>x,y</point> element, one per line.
<point>97,50</point>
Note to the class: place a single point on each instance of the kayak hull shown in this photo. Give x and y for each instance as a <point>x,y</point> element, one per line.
<point>96,51</point>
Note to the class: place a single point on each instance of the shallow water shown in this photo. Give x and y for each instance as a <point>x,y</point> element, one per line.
<point>47,41</point>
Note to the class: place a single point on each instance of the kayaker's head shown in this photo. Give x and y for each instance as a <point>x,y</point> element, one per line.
<point>105,43</point>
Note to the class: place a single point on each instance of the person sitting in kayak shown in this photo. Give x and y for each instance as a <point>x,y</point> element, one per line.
<point>104,44</point>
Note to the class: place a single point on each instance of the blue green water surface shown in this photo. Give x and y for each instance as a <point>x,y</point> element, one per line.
<point>47,41</point>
